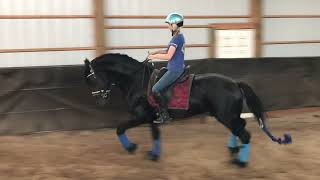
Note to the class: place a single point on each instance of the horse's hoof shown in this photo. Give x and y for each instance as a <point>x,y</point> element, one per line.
<point>132,148</point>
<point>233,150</point>
<point>152,157</point>
<point>239,163</point>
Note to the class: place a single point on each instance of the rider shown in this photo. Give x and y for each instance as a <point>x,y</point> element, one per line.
<point>174,54</point>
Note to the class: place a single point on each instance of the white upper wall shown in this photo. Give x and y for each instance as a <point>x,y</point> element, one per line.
<point>123,37</point>
<point>45,7</point>
<point>292,7</point>
<point>291,29</point>
<point>188,7</point>
<point>43,33</point>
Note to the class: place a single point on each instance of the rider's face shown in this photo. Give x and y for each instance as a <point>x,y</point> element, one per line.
<point>170,27</point>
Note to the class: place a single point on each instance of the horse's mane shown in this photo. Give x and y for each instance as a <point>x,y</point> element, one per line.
<point>116,62</point>
<point>112,58</point>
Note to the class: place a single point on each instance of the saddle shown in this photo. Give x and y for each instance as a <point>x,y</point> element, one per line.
<point>177,94</point>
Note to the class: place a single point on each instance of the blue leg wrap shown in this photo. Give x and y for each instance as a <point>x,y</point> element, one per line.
<point>233,142</point>
<point>156,147</point>
<point>244,153</point>
<point>124,140</point>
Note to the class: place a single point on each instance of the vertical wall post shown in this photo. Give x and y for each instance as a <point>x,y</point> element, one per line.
<point>211,49</point>
<point>99,27</point>
<point>256,19</point>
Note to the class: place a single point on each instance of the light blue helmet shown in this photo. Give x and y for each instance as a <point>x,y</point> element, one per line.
<point>175,18</point>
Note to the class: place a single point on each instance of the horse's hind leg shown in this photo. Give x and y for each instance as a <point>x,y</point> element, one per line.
<point>238,130</point>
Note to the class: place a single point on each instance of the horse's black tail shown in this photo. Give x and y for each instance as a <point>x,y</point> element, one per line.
<point>255,105</point>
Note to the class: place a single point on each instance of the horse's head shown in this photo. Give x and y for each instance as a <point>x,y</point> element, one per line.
<point>105,71</point>
<point>100,87</point>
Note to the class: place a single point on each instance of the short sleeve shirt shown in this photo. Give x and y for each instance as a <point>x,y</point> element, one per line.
<point>176,63</point>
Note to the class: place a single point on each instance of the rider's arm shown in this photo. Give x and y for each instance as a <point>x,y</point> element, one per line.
<point>162,51</point>
<point>167,56</point>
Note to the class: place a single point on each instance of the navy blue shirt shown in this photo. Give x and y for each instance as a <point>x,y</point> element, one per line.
<point>176,63</point>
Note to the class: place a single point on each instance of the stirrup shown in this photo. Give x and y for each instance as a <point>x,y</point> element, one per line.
<point>162,119</point>
<point>158,121</point>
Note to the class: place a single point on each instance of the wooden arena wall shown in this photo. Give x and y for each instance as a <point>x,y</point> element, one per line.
<point>37,99</point>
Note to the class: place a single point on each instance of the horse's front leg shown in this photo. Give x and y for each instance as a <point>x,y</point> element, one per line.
<point>121,132</point>
<point>154,154</point>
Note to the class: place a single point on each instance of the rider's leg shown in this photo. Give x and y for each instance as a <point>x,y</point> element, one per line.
<point>167,79</point>
<point>163,114</point>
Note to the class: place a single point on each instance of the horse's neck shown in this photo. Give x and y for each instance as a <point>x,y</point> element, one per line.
<point>135,76</point>
<point>137,83</point>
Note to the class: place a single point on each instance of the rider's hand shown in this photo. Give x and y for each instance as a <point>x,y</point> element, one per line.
<point>151,56</point>
<point>152,53</point>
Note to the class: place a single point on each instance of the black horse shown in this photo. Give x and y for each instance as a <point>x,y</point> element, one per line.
<point>215,94</point>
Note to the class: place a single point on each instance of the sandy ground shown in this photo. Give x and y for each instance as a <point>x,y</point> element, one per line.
<point>193,149</point>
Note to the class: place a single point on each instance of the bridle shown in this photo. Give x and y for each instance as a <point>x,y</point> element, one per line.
<point>105,92</point>
<point>91,74</point>
<point>144,69</point>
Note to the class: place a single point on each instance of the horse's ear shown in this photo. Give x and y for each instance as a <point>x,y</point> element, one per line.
<point>86,62</point>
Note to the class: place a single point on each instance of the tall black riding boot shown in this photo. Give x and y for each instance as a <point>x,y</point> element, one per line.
<point>163,114</point>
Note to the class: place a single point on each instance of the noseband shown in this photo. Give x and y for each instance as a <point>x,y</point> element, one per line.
<point>103,93</point>
<point>91,74</point>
